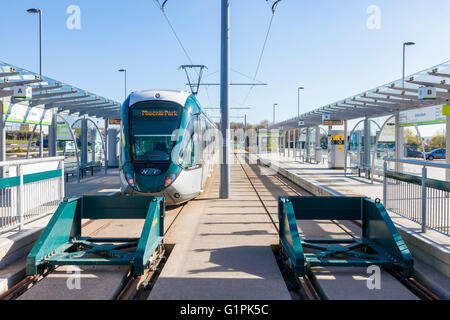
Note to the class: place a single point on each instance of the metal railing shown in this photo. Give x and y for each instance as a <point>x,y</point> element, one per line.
<point>418,198</point>
<point>29,190</point>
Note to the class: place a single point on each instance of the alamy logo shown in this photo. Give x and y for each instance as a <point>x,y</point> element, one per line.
<point>374,20</point>
<point>374,281</point>
<point>74,20</point>
<point>74,278</point>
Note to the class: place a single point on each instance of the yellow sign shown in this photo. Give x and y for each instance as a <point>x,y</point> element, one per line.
<point>446,110</point>
<point>337,138</point>
<point>114,121</point>
<point>340,148</point>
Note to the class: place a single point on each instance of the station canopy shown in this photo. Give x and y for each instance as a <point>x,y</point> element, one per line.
<point>384,100</point>
<point>55,94</point>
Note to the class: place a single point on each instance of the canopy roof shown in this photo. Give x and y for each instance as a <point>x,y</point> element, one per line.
<point>383,100</point>
<point>55,94</point>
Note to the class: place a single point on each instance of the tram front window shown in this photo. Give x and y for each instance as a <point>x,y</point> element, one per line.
<point>152,126</point>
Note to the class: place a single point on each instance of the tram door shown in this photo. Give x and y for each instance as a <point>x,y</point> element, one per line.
<point>204,151</point>
<point>192,173</point>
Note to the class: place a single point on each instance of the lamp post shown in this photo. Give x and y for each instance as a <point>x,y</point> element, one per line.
<point>224,190</point>
<point>125,72</point>
<point>298,101</point>
<point>404,50</point>
<point>34,10</point>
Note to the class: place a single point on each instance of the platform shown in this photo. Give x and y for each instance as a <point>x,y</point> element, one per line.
<point>222,249</point>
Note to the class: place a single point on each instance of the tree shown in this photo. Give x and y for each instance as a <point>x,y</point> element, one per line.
<point>412,140</point>
<point>437,141</point>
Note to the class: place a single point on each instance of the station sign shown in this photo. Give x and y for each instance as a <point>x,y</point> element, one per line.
<point>333,122</point>
<point>446,110</point>
<point>63,131</point>
<point>114,121</point>
<point>388,133</point>
<point>422,116</point>
<point>427,93</point>
<point>23,93</point>
<point>21,113</point>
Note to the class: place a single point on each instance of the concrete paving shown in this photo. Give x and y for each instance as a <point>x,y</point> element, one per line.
<point>223,247</point>
<point>100,184</point>
<point>83,283</point>
<point>357,284</point>
<point>350,283</point>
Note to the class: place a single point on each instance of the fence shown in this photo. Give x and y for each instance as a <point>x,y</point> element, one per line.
<point>29,190</point>
<point>418,198</point>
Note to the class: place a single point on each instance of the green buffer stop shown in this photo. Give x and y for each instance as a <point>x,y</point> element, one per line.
<point>380,244</point>
<point>61,242</point>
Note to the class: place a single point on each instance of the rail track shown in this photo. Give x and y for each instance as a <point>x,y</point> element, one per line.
<point>301,288</point>
<point>133,288</point>
<point>310,282</point>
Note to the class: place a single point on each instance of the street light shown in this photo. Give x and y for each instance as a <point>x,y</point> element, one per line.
<point>298,102</point>
<point>33,10</point>
<point>274,105</point>
<point>125,71</point>
<point>404,49</point>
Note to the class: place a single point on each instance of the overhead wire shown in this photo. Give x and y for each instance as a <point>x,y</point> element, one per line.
<point>273,8</point>
<point>161,7</point>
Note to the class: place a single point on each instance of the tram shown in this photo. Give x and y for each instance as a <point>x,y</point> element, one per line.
<point>168,145</point>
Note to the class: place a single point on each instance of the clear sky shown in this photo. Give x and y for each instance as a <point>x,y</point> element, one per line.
<point>323,45</point>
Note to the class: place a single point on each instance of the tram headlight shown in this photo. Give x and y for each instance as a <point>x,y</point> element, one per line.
<point>130,179</point>
<point>170,179</point>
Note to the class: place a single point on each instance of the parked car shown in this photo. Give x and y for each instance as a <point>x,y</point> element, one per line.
<point>436,154</point>
<point>411,153</point>
<point>38,143</point>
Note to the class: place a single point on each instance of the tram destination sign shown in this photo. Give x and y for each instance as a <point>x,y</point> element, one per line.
<point>159,113</point>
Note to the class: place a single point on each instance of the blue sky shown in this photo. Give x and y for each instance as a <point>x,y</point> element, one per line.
<point>322,45</point>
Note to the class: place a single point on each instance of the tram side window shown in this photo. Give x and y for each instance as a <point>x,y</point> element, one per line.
<point>189,155</point>
<point>204,136</point>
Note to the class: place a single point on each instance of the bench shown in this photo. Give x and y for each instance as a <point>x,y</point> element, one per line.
<point>71,170</point>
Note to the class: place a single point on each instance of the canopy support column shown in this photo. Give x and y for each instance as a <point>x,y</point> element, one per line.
<point>399,143</point>
<point>318,153</point>
<point>106,145</point>
<point>41,140</point>
<point>2,138</point>
<point>345,146</point>
<point>367,147</point>
<point>447,146</point>
<point>52,144</point>
<point>84,142</point>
